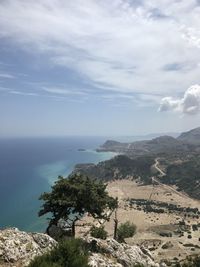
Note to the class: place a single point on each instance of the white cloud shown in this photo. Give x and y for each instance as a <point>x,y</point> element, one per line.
<point>15,92</point>
<point>188,104</point>
<point>6,76</point>
<point>63,91</point>
<point>113,44</point>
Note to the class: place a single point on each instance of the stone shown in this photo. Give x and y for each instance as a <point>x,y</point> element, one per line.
<point>110,253</point>
<point>19,247</point>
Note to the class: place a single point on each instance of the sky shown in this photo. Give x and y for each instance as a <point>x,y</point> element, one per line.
<point>98,67</point>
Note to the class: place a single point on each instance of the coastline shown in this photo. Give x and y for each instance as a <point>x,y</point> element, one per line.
<point>35,170</point>
<point>65,170</point>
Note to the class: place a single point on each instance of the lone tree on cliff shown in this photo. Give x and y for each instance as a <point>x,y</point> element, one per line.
<point>70,198</point>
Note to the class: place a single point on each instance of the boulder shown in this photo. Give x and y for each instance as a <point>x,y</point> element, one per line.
<point>17,247</point>
<point>110,253</point>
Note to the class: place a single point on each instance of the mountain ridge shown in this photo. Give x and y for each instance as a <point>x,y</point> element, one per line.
<point>136,159</point>
<point>192,136</point>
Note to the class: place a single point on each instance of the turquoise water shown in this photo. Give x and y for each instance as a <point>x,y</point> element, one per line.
<point>28,167</point>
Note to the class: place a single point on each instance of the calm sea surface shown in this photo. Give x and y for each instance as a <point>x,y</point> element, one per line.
<point>29,167</point>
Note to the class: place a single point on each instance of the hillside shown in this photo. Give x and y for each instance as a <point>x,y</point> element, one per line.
<point>192,136</point>
<point>185,175</point>
<point>162,144</point>
<point>119,167</point>
<point>178,157</point>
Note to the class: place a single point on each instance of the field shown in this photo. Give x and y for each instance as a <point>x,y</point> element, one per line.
<point>170,235</point>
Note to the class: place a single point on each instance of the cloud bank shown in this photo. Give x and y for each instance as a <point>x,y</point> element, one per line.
<point>148,47</point>
<point>188,104</point>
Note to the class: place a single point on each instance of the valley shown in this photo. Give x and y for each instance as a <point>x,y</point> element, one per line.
<point>170,235</point>
<point>157,183</point>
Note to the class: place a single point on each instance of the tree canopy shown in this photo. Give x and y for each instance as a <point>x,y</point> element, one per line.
<point>70,198</point>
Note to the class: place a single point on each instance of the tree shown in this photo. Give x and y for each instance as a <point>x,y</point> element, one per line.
<point>125,230</point>
<point>71,198</point>
<point>99,232</point>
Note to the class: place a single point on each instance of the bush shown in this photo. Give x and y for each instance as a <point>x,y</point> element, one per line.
<point>125,230</point>
<point>99,232</point>
<point>190,262</point>
<point>69,253</point>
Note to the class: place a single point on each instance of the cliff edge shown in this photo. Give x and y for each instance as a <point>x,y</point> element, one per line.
<point>18,248</point>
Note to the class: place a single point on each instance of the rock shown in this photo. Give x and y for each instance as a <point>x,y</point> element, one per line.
<point>99,260</point>
<point>110,253</point>
<point>162,264</point>
<point>19,247</point>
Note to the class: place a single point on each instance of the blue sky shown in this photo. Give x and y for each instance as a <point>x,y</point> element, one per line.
<point>121,67</point>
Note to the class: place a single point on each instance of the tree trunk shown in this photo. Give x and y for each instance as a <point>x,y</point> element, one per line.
<point>115,225</point>
<point>47,230</point>
<point>51,223</point>
<point>74,225</point>
<point>73,228</point>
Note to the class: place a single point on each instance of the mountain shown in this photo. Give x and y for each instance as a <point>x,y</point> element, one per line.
<point>134,138</point>
<point>112,145</point>
<point>162,144</point>
<point>192,136</point>
<point>118,167</point>
<point>179,158</point>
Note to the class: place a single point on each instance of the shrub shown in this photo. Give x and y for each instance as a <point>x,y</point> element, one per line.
<point>190,262</point>
<point>69,253</point>
<point>125,230</point>
<point>99,232</point>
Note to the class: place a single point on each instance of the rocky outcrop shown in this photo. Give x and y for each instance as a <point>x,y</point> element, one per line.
<point>110,253</point>
<point>18,248</point>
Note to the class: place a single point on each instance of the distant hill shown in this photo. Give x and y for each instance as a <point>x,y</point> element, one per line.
<point>115,146</point>
<point>162,144</point>
<point>134,138</point>
<point>192,136</point>
<point>179,158</point>
<point>118,167</point>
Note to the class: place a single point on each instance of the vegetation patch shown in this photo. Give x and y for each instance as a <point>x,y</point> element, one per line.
<point>125,230</point>
<point>69,253</point>
<point>98,232</point>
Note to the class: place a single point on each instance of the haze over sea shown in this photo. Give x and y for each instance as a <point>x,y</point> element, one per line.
<point>29,166</point>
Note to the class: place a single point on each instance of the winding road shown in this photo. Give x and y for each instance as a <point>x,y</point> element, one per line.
<point>162,173</point>
<point>158,169</point>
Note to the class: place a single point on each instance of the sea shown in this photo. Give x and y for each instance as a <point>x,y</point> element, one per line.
<point>30,166</point>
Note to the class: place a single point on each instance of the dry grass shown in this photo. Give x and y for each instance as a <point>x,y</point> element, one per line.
<point>150,224</point>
